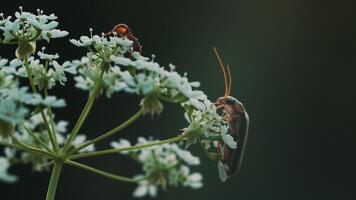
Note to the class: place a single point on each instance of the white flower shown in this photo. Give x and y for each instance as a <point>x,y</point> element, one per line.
<point>4,174</point>
<point>194,181</point>
<point>58,72</point>
<point>11,112</point>
<point>79,140</point>
<point>44,56</point>
<point>122,60</point>
<point>227,138</point>
<point>3,20</point>
<point>186,156</point>
<point>83,41</point>
<point>33,27</point>
<point>164,165</point>
<point>56,33</point>
<point>145,188</point>
<point>50,101</point>
<point>222,171</point>
<point>61,126</point>
<point>84,83</point>
<point>123,143</point>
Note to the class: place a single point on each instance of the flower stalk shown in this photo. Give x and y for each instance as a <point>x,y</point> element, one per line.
<point>109,133</point>
<point>43,115</point>
<point>85,112</point>
<point>53,183</point>
<point>132,148</point>
<point>100,172</point>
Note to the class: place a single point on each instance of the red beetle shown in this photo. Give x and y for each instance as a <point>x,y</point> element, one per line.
<point>122,30</point>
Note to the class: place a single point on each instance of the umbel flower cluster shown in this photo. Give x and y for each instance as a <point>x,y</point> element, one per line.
<point>31,134</point>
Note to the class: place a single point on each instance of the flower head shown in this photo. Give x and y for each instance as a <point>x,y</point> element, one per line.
<point>28,27</point>
<point>163,166</point>
<point>5,176</point>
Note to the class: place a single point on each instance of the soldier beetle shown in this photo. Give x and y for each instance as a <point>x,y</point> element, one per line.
<point>238,121</point>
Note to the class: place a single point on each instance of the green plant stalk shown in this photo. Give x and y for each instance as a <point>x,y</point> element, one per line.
<point>53,183</point>
<point>50,133</point>
<point>27,149</point>
<point>132,148</point>
<point>84,113</point>
<point>109,133</point>
<point>100,172</point>
<point>39,140</point>
<point>31,149</point>
<point>51,114</point>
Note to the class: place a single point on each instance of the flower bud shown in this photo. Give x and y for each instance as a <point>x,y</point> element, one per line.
<point>151,104</point>
<point>6,128</point>
<point>25,49</point>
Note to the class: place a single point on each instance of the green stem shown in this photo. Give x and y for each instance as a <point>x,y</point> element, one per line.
<point>31,149</point>
<point>14,146</point>
<point>52,187</point>
<point>85,112</point>
<point>38,139</point>
<point>53,127</point>
<point>109,133</point>
<point>50,133</point>
<point>29,74</point>
<point>141,146</point>
<point>13,42</point>
<point>100,172</point>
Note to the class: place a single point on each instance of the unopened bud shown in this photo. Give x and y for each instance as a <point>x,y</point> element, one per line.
<point>151,104</point>
<point>25,49</point>
<point>6,128</point>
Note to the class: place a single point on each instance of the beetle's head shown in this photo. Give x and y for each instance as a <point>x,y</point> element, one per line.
<point>231,101</point>
<point>226,100</point>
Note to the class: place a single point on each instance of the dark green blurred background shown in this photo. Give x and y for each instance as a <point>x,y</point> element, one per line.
<point>293,66</point>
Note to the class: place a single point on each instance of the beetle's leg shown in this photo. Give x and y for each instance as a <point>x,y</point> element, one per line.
<point>219,107</point>
<point>235,116</point>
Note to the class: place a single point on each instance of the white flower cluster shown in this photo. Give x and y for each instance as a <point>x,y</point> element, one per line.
<point>164,165</point>
<point>89,73</point>
<point>29,27</point>
<point>39,163</point>
<point>14,99</point>
<point>46,71</point>
<point>101,48</point>
<point>205,124</point>
<point>5,176</point>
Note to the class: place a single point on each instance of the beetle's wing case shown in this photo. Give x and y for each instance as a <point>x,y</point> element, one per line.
<point>238,129</point>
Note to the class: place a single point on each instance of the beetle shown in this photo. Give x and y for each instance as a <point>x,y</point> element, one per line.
<point>122,30</point>
<point>235,115</point>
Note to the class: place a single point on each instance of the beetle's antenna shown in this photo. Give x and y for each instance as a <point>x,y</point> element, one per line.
<point>223,69</point>
<point>108,33</point>
<point>230,80</point>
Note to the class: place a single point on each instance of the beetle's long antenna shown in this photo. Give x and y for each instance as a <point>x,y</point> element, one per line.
<point>223,69</point>
<point>108,33</point>
<point>230,80</point>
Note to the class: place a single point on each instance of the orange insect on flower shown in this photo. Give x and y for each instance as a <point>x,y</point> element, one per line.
<point>122,30</point>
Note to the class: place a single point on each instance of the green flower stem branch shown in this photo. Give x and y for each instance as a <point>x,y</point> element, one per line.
<point>132,148</point>
<point>85,112</point>
<point>50,132</point>
<point>53,127</point>
<point>53,183</point>
<point>38,139</point>
<point>100,172</point>
<point>109,133</point>
<point>27,149</point>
